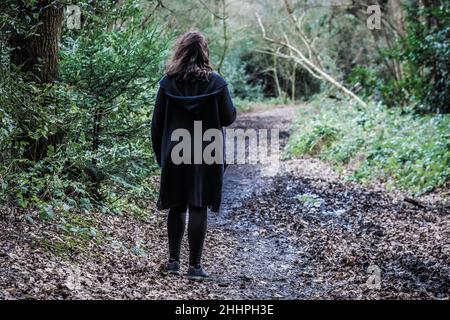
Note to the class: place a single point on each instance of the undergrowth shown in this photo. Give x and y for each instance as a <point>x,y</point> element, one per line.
<point>394,145</point>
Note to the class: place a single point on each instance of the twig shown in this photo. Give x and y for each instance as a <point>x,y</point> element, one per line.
<point>415,202</point>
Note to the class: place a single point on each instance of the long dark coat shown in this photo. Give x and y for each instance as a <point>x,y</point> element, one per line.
<point>178,105</point>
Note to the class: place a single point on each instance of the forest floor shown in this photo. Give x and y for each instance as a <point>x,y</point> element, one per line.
<point>299,232</point>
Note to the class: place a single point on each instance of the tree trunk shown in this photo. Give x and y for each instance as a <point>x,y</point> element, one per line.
<point>275,76</point>
<point>293,81</point>
<point>397,12</point>
<point>429,18</point>
<point>38,53</point>
<point>36,57</point>
<point>225,36</point>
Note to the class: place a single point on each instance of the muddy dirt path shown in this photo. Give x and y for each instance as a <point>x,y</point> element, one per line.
<point>304,233</point>
<point>300,233</point>
<point>261,259</point>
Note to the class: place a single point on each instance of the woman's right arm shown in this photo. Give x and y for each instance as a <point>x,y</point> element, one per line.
<point>158,124</point>
<point>227,109</point>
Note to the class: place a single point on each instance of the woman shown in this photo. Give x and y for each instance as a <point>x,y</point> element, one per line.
<point>190,94</point>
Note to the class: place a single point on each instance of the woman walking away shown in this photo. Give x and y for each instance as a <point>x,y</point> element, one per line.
<point>191,95</point>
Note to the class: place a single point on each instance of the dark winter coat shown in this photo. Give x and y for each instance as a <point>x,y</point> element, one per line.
<point>178,104</point>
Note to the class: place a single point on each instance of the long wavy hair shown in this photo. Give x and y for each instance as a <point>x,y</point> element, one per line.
<point>190,58</point>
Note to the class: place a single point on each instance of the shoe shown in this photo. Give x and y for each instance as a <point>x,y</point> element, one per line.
<point>196,274</point>
<point>173,268</point>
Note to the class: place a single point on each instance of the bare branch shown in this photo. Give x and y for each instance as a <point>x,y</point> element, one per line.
<point>225,37</point>
<point>212,12</point>
<point>298,27</point>
<point>299,57</point>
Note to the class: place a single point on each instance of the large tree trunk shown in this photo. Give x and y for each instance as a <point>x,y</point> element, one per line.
<point>38,53</point>
<point>398,16</point>
<point>35,54</point>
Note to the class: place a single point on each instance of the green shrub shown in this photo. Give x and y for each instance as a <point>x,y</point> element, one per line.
<point>395,146</point>
<point>312,142</point>
<point>100,110</point>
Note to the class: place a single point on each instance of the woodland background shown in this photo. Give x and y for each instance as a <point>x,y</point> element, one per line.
<point>76,104</point>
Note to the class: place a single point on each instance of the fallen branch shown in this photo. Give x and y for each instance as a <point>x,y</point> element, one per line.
<point>416,203</point>
<point>301,59</point>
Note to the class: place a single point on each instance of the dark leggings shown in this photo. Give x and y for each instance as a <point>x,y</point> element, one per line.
<point>196,232</point>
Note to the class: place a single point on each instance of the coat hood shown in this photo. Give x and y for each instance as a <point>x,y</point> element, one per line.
<point>192,103</point>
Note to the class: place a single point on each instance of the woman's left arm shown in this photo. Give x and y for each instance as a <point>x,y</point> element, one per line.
<point>158,124</point>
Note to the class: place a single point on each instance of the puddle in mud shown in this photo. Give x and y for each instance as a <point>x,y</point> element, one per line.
<point>317,205</point>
